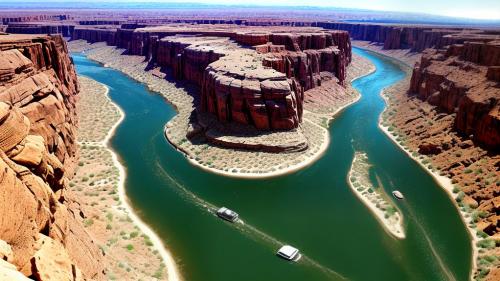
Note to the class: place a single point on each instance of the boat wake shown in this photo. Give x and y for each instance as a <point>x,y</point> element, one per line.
<point>245,228</point>
<point>445,270</point>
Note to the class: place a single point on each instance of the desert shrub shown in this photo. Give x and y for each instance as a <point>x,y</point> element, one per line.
<point>483,272</point>
<point>482,234</point>
<point>88,222</point>
<point>486,244</point>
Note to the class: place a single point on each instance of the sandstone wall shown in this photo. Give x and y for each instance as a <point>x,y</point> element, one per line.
<point>463,79</point>
<point>96,35</point>
<point>38,93</point>
<point>40,28</point>
<point>234,84</point>
<point>304,59</point>
<point>416,38</point>
<point>31,18</point>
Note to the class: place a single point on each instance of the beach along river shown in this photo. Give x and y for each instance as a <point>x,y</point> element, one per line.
<point>313,209</point>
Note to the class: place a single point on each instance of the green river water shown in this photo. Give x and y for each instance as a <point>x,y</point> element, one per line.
<point>313,209</point>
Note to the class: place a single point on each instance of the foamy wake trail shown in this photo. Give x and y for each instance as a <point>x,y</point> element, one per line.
<point>245,228</point>
<point>440,262</point>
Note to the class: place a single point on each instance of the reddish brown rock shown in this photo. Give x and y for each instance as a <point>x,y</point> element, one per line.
<point>459,80</point>
<point>141,41</point>
<point>236,82</point>
<point>51,261</point>
<point>416,38</point>
<point>252,38</point>
<point>429,149</point>
<point>37,154</point>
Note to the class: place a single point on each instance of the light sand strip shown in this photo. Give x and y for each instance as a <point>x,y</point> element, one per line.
<point>392,224</point>
<point>172,270</point>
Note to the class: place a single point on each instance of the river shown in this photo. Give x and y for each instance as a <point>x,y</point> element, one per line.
<point>313,209</point>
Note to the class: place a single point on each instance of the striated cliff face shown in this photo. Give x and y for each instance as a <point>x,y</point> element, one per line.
<point>309,58</point>
<point>40,233</point>
<point>262,86</point>
<point>415,38</point>
<point>41,28</point>
<point>464,79</point>
<point>235,86</point>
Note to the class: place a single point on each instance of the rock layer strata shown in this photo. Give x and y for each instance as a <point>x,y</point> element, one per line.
<point>38,92</point>
<point>464,79</point>
<point>238,84</point>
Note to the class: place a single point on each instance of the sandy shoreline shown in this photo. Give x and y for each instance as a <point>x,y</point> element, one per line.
<point>172,271</point>
<point>392,226</point>
<point>122,205</point>
<point>309,161</point>
<point>442,181</point>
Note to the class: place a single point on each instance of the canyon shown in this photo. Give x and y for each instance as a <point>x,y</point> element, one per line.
<point>257,86</point>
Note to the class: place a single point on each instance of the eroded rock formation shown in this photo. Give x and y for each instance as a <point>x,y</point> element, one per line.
<point>38,89</point>
<point>463,79</point>
<point>262,86</point>
<point>416,38</point>
<point>40,28</point>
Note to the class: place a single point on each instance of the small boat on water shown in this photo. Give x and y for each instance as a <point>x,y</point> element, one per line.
<point>398,195</point>
<point>289,253</point>
<point>226,214</point>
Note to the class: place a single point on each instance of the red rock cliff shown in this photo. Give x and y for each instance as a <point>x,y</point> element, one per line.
<point>416,38</point>
<point>303,57</point>
<point>235,86</point>
<point>464,79</point>
<point>40,233</point>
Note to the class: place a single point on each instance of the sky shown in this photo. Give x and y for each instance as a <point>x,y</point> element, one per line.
<point>477,9</point>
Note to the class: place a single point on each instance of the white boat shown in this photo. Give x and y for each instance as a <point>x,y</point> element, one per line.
<point>289,253</point>
<point>227,214</point>
<point>398,195</point>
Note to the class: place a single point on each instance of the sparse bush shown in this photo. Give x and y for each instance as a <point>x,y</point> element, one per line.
<point>486,244</point>
<point>88,222</point>
<point>482,234</point>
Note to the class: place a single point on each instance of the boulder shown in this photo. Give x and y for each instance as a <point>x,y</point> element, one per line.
<point>429,149</point>
<point>51,262</point>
